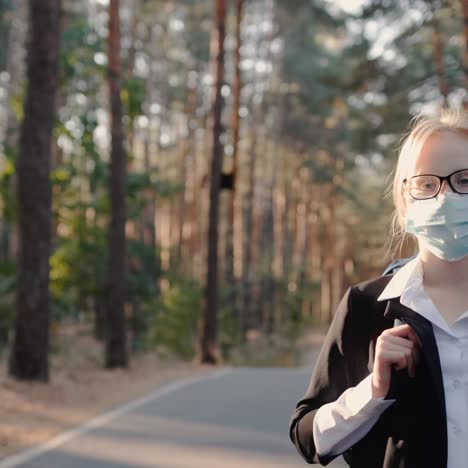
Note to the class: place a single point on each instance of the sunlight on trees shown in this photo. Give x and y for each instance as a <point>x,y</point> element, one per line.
<point>235,192</point>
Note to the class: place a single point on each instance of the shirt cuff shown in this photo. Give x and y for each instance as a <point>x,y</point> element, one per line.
<point>341,423</point>
<point>353,407</point>
<point>360,397</point>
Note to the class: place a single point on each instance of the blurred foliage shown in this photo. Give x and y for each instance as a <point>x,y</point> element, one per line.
<point>133,97</point>
<point>320,95</point>
<point>173,319</point>
<point>6,14</point>
<point>7,301</point>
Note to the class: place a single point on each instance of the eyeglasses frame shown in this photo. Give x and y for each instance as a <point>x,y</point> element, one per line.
<point>441,181</point>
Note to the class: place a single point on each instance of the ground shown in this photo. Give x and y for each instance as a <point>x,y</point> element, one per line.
<point>79,389</point>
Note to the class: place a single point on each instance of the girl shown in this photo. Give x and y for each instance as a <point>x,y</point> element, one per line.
<point>390,386</point>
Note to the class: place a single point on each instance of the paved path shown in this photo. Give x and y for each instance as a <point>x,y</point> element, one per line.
<point>236,418</point>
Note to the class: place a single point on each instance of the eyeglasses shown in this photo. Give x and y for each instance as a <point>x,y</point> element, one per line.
<point>425,186</point>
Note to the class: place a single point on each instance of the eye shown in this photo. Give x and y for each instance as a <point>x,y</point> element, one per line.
<point>461,179</point>
<point>423,186</point>
<point>424,183</point>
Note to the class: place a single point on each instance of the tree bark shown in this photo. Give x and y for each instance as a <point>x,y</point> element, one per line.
<point>269,241</point>
<point>247,287</point>
<point>29,354</point>
<point>209,351</point>
<point>116,343</point>
<point>464,4</point>
<point>16,75</point>
<point>339,242</point>
<point>233,212</point>
<point>315,247</point>
<point>148,236</point>
<point>327,216</point>
<point>439,55</point>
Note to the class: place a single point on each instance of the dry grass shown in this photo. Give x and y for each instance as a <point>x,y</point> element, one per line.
<point>280,350</point>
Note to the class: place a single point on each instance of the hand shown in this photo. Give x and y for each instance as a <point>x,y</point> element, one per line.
<point>397,346</point>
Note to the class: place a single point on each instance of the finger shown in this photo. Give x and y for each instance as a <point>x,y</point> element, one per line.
<point>407,362</point>
<point>400,341</point>
<point>412,336</point>
<point>403,331</point>
<point>411,356</point>
<point>412,360</point>
<point>400,357</point>
<point>393,357</point>
<point>401,363</point>
<point>395,347</point>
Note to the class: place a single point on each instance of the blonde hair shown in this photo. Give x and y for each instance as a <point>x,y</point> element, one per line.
<point>420,129</point>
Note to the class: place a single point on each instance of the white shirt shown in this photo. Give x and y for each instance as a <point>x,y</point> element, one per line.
<point>340,424</point>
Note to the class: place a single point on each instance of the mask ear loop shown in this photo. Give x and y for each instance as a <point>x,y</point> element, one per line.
<point>404,190</point>
<point>404,195</point>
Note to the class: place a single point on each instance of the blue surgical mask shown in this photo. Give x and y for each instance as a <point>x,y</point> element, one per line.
<point>440,224</point>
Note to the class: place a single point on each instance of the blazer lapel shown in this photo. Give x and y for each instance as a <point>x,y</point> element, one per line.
<point>423,329</point>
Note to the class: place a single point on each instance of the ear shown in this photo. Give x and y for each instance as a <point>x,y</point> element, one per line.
<point>404,186</point>
<point>403,215</point>
<point>404,195</point>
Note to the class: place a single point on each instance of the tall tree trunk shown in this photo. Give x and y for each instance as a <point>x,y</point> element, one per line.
<point>29,354</point>
<point>233,212</point>
<point>327,213</point>
<point>309,231</point>
<point>116,346</point>
<point>301,216</point>
<point>464,4</point>
<point>15,69</point>
<point>339,241</point>
<point>278,206</point>
<point>186,145</point>
<point>438,54</point>
<point>275,234</point>
<point>315,247</point>
<point>331,261</point>
<point>188,171</point>
<point>148,234</point>
<point>281,202</point>
<point>288,218</point>
<point>195,197</point>
<point>269,241</point>
<point>258,222</point>
<point>247,286</point>
<point>203,206</point>
<point>151,152</point>
<point>209,352</point>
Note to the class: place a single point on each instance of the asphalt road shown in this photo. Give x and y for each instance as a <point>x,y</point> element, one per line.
<point>236,418</point>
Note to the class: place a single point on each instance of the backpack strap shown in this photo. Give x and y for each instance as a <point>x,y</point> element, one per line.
<point>396,265</point>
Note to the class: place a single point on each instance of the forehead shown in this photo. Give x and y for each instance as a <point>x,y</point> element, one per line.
<point>442,154</point>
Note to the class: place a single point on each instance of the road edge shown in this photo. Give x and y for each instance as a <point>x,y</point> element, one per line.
<point>33,452</point>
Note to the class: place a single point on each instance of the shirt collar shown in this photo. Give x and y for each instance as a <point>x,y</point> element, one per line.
<point>403,279</point>
<point>407,284</point>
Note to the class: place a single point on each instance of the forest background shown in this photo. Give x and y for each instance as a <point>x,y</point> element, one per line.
<point>195,176</point>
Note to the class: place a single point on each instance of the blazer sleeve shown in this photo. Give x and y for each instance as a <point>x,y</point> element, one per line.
<point>341,364</point>
<point>342,423</point>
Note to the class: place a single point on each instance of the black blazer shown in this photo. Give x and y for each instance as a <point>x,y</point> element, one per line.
<point>412,432</point>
